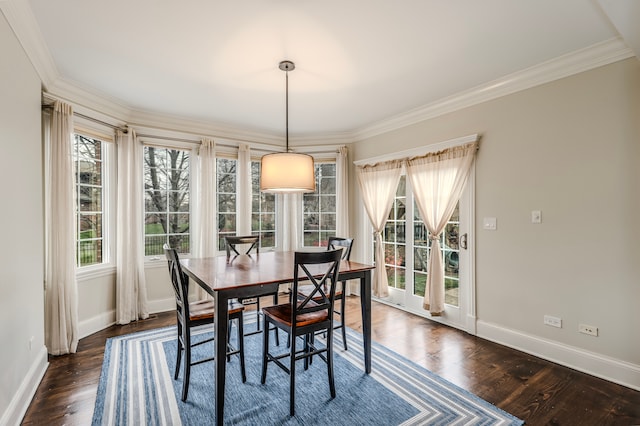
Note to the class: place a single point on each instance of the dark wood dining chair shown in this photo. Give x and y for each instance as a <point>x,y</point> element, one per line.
<point>250,242</point>
<point>304,291</point>
<point>305,318</point>
<point>193,314</point>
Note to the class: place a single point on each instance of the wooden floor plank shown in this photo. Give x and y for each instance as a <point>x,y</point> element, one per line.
<point>537,391</point>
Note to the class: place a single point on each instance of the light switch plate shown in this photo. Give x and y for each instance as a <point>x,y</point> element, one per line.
<point>536,216</point>
<point>490,223</point>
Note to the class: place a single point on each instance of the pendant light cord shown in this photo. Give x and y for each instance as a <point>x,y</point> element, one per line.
<point>286,73</point>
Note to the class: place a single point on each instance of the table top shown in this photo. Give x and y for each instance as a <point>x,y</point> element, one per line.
<point>255,269</point>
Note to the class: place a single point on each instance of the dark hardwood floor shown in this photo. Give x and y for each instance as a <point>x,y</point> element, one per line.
<point>537,391</point>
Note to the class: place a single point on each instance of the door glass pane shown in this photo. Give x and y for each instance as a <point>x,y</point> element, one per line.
<point>394,239</point>
<point>450,250</point>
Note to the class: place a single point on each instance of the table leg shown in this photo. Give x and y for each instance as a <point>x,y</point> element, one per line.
<point>365,300</point>
<point>221,325</point>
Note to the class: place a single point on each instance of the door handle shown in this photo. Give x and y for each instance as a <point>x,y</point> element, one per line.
<point>463,241</point>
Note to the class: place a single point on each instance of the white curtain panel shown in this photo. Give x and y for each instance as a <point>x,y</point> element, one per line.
<point>438,180</point>
<point>205,220</point>
<point>292,221</point>
<point>342,203</point>
<point>243,194</point>
<point>342,193</point>
<point>131,289</point>
<point>378,184</point>
<point>61,290</point>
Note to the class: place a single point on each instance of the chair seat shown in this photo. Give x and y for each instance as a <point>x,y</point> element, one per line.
<point>205,309</point>
<point>282,314</point>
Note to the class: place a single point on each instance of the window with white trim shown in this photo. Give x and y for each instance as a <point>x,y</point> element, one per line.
<point>263,210</point>
<point>90,179</point>
<point>166,199</point>
<point>319,208</point>
<point>226,181</point>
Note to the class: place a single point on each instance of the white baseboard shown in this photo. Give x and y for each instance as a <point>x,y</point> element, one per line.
<point>96,323</point>
<point>162,305</point>
<point>21,400</point>
<point>607,368</point>
<point>107,319</point>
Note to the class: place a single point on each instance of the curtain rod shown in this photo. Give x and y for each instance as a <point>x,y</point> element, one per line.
<point>197,142</point>
<point>95,120</point>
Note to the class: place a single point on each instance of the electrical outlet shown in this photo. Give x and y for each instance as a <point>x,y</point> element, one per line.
<point>553,321</point>
<point>588,329</point>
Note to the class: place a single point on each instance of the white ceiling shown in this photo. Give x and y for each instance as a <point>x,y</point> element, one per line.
<point>357,61</point>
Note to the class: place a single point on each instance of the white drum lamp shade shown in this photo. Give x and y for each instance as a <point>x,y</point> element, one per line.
<point>287,172</point>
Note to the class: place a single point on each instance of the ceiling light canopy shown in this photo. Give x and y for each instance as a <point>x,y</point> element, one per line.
<point>287,172</point>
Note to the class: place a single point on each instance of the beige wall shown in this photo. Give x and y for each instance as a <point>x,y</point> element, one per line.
<point>22,352</point>
<point>570,149</point>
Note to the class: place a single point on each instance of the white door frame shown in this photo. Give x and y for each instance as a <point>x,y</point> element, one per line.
<point>464,316</point>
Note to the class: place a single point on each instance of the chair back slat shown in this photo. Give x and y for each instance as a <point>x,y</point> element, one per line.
<point>345,243</point>
<point>322,296</point>
<point>233,241</point>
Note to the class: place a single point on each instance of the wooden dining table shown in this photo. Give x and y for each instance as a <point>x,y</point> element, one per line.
<point>256,275</point>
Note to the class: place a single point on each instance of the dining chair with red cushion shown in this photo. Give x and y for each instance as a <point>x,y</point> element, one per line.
<point>304,318</point>
<point>249,243</point>
<point>305,290</point>
<point>193,314</point>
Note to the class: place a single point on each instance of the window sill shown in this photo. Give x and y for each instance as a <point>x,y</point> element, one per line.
<point>96,271</point>
<point>155,262</point>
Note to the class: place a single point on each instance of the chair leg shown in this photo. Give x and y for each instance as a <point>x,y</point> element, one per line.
<point>307,341</point>
<point>265,352</point>
<point>258,313</point>
<point>277,333</point>
<point>243,371</point>
<point>312,340</point>
<point>178,348</point>
<point>229,339</point>
<point>275,302</point>
<point>187,369</point>
<point>332,385</point>
<point>178,358</point>
<point>342,319</point>
<point>292,377</point>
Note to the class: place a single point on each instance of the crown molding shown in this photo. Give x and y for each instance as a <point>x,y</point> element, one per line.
<point>167,122</point>
<point>24,25</point>
<point>598,55</point>
<point>221,131</point>
<point>89,99</point>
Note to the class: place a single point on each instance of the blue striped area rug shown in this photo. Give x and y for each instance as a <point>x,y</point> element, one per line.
<point>137,388</point>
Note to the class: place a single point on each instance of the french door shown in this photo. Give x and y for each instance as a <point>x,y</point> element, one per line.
<point>407,250</point>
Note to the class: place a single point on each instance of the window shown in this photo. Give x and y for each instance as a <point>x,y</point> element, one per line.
<point>166,204</point>
<point>263,210</point>
<point>319,208</point>
<point>88,160</point>
<point>226,198</point>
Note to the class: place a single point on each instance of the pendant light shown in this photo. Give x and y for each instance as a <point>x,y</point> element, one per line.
<point>287,172</point>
